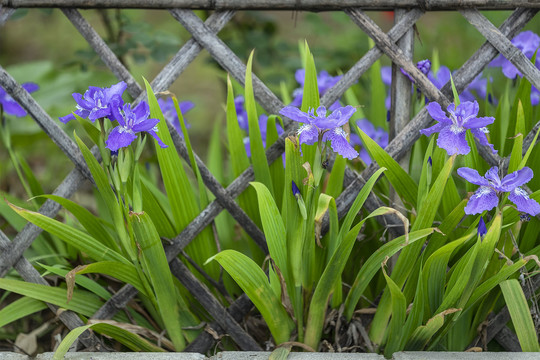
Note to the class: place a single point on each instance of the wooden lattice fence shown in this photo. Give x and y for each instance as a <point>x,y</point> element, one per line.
<point>397,44</point>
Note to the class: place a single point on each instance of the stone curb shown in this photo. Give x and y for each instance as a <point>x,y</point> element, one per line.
<point>246,355</point>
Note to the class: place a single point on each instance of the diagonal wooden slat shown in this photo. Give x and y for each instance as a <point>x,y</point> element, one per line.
<point>101,48</point>
<point>503,44</point>
<point>5,14</point>
<point>360,67</point>
<point>187,53</point>
<point>385,43</point>
<point>214,307</point>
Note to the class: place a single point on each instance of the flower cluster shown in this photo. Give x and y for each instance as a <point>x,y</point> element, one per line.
<point>452,135</point>
<point>452,130</point>
<point>320,127</point>
<point>12,107</point>
<point>491,187</point>
<point>100,103</point>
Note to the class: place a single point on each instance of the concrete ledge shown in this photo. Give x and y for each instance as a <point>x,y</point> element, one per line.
<point>247,355</point>
<point>122,356</point>
<point>422,355</point>
<point>12,356</point>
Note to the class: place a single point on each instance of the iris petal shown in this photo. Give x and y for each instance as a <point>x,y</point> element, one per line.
<point>485,198</point>
<point>119,138</point>
<point>482,139</point>
<point>523,202</point>
<point>453,143</point>
<point>145,125</point>
<point>436,112</point>
<point>154,135</point>
<point>295,114</point>
<point>339,143</point>
<point>12,108</point>
<point>472,176</point>
<point>517,178</point>
<point>308,134</point>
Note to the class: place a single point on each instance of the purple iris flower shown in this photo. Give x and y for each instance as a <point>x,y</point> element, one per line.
<point>423,65</point>
<point>170,114</point>
<point>527,42</point>
<point>96,102</point>
<point>535,96</point>
<point>452,130</point>
<point>316,123</point>
<point>491,186</point>
<point>379,135</point>
<point>482,229</point>
<point>131,121</point>
<point>241,112</point>
<point>12,107</point>
<point>324,82</point>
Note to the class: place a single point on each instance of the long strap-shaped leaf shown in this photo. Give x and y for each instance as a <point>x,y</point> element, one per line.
<point>131,340</point>
<point>521,315</point>
<point>155,265</point>
<point>254,283</point>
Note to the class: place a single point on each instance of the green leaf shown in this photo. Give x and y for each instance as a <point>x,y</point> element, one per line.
<point>399,309</point>
<point>91,223</point>
<point>358,203</point>
<point>373,264</point>
<point>400,180</point>
<point>517,149</point>
<point>76,238</point>
<point>203,197</point>
<point>83,281</point>
<point>258,154</point>
<point>409,256</point>
<point>238,156</point>
<point>82,302</point>
<point>106,192</point>
<point>377,93</point>
<point>454,92</point>
<point>424,333</point>
<point>274,230</point>
<point>310,92</point>
<point>520,315</point>
<point>435,270</point>
<point>255,284</point>
<point>331,276</point>
<point>334,187</point>
<point>179,190</point>
<point>129,339</point>
<point>20,308</point>
<point>122,272</point>
<point>155,265</point>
